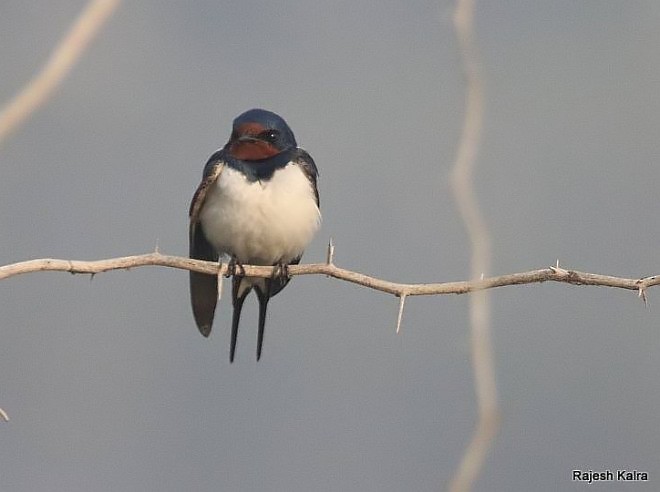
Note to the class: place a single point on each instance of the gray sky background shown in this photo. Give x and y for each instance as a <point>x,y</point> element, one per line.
<point>110,386</point>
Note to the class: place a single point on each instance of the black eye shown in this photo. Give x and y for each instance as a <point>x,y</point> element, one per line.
<point>269,136</point>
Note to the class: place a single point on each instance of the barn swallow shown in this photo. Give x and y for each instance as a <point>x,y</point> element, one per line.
<point>257,204</point>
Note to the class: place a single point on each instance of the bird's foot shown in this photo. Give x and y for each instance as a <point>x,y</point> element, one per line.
<point>235,268</point>
<point>281,271</point>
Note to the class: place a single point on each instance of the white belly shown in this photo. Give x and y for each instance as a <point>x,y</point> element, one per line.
<point>261,222</point>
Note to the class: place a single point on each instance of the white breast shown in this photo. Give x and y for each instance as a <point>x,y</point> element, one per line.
<point>261,222</point>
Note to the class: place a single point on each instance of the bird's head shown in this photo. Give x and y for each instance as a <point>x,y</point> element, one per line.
<point>259,134</point>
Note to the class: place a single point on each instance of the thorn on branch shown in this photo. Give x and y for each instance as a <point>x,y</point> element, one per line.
<point>642,294</point>
<point>557,270</point>
<point>330,257</point>
<point>3,415</point>
<point>220,280</point>
<point>402,301</point>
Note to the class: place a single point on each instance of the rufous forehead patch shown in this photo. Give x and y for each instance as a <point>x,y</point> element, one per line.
<point>252,151</point>
<point>250,128</point>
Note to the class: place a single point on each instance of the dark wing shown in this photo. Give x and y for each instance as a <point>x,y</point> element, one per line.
<point>306,163</point>
<point>212,170</point>
<point>203,287</point>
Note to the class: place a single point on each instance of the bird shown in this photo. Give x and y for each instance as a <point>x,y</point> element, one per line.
<point>257,204</point>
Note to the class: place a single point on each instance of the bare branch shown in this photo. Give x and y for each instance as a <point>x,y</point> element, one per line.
<point>462,184</point>
<point>63,58</point>
<point>550,274</point>
<point>487,428</point>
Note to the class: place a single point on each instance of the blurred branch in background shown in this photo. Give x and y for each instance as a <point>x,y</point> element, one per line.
<point>468,206</point>
<point>63,58</point>
<point>60,63</point>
